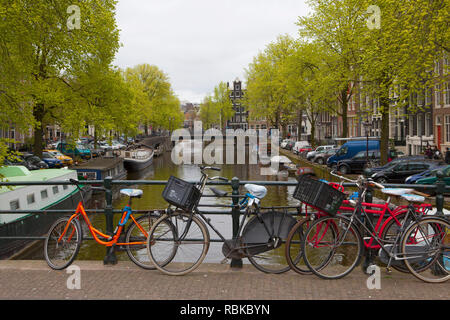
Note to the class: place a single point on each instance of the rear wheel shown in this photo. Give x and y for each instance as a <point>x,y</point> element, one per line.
<point>426,247</point>
<point>343,169</point>
<point>137,233</point>
<point>265,241</point>
<point>63,243</point>
<point>178,243</point>
<point>294,255</point>
<point>332,247</point>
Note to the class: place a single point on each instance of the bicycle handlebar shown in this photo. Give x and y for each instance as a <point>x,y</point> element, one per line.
<point>209,168</point>
<point>360,179</point>
<point>218,178</point>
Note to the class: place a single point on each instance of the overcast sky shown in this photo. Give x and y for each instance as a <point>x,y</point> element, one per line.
<point>199,43</point>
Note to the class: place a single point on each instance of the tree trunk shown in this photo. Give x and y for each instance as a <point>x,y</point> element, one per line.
<point>38,114</point>
<point>300,124</point>
<point>384,143</point>
<point>344,106</point>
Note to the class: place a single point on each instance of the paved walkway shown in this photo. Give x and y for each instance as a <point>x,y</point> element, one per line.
<point>35,280</point>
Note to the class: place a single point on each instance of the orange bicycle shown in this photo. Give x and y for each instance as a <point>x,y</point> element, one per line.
<point>66,234</point>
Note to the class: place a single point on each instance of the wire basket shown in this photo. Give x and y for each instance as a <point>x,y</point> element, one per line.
<point>181,194</point>
<point>319,195</point>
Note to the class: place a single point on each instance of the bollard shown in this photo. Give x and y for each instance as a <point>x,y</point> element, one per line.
<point>235,214</point>
<point>440,190</point>
<point>110,257</point>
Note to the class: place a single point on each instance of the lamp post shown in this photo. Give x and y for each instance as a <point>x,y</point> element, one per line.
<point>367,127</point>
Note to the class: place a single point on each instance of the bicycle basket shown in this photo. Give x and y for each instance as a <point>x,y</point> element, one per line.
<point>319,195</point>
<point>181,194</point>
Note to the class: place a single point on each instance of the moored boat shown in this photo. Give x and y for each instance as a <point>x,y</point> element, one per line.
<point>32,197</point>
<point>100,168</point>
<point>137,159</point>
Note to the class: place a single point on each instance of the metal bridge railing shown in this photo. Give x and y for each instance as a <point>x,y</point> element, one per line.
<point>439,188</point>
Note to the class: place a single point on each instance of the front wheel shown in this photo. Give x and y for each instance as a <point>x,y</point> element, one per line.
<point>294,253</point>
<point>426,247</point>
<point>332,247</point>
<point>136,236</point>
<point>265,241</point>
<point>63,243</point>
<point>178,243</point>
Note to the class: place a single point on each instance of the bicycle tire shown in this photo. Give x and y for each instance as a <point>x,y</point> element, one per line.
<point>328,254</point>
<point>294,253</point>
<point>60,255</point>
<point>432,235</point>
<point>138,253</point>
<point>266,251</point>
<point>171,255</point>
<point>388,235</point>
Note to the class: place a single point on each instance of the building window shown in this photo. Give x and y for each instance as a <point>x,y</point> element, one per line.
<point>44,194</point>
<point>447,93</point>
<point>65,187</point>
<point>14,205</point>
<point>428,124</point>
<point>447,129</point>
<point>437,94</point>
<point>428,95</point>
<point>419,124</point>
<point>411,126</point>
<point>30,198</point>
<point>55,190</point>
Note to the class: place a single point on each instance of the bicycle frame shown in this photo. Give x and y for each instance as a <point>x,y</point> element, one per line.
<point>97,234</point>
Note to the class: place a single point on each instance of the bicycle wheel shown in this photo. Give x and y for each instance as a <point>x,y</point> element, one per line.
<point>265,241</point>
<point>63,243</point>
<point>138,232</point>
<point>294,253</point>
<point>388,236</point>
<point>178,243</point>
<point>332,247</point>
<point>426,247</point>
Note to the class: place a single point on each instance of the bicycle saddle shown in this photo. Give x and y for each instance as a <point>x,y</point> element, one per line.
<point>396,191</point>
<point>133,193</point>
<point>413,198</point>
<point>256,190</point>
<point>218,192</point>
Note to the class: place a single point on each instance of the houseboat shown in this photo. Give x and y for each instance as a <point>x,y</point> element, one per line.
<point>100,168</point>
<point>33,197</point>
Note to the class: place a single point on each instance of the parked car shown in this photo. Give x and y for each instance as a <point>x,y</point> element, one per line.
<point>310,155</point>
<point>66,160</point>
<point>322,157</point>
<point>428,173</point>
<point>397,160</point>
<point>359,162</point>
<point>34,162</point>
<point>304,150</point>
<point>289,145</point>
<point>299,145</point>
<point>349,149</point>
<point>74,151</point>
<point>96,152</point>
<point>118,145</point>
<point>51,160</point>
<point>398,172</point>
<point>432,178</point>
<point>284,143</point>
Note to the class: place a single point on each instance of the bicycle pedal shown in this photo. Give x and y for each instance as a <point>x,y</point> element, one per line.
<point>389,270</point>
<point>224,261</point>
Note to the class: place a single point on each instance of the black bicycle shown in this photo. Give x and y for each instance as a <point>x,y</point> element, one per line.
<point>179,241</point>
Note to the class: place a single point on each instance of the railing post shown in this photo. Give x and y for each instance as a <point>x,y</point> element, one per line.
<point>369,199</point>
<point>440,190</point>
<point>235,213</point>
<point>110,257</point>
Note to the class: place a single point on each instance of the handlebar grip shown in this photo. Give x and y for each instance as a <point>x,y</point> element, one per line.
<point>376,184</point>
<point>214,168</point>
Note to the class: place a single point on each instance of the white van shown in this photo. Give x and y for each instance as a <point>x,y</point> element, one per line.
<point>298,145</point>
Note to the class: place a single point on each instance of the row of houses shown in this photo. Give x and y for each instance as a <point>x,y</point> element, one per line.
<point>424,119</point>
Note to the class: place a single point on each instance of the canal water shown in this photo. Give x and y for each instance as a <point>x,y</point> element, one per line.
<point>161,169</point>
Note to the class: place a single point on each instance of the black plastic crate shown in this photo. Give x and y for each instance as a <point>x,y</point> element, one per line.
<point>318,194</point>
<point>181,194</point>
